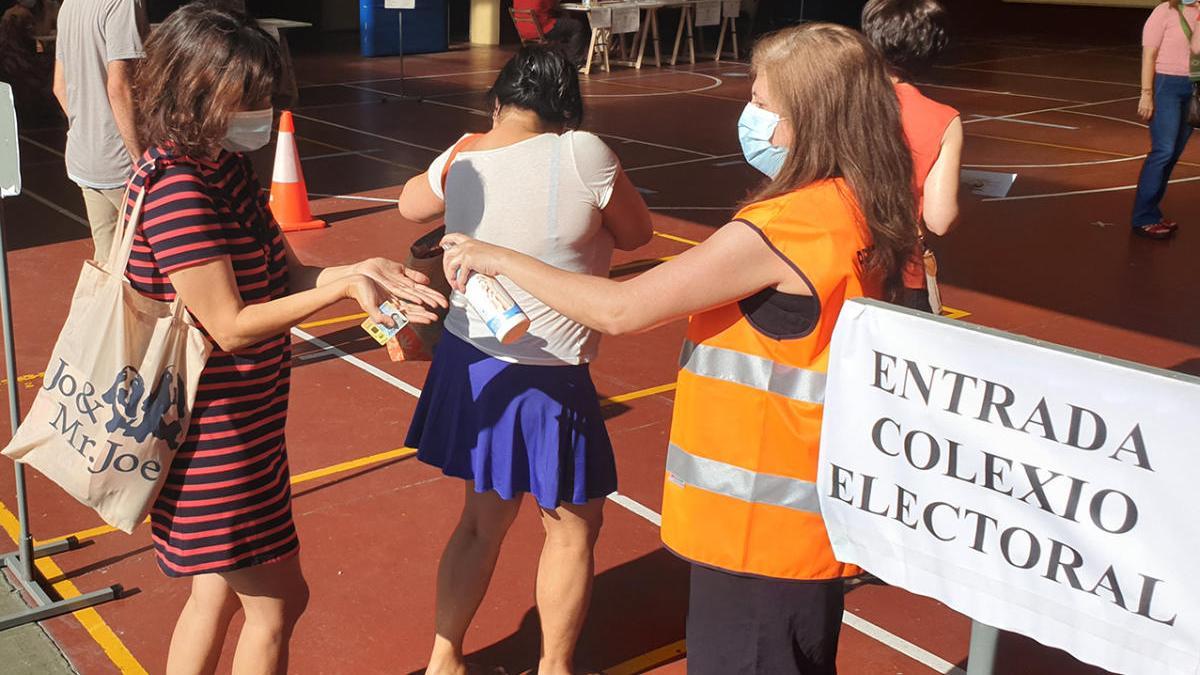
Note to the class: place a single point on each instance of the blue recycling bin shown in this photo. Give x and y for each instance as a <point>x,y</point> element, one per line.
<point>424,28</point>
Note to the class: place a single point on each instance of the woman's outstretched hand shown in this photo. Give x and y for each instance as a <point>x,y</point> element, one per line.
<point>465,255</point>
<point>370,294</point>
<point>408,286</point>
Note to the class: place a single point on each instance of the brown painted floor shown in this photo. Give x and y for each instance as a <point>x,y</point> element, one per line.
<point>1054,261</point>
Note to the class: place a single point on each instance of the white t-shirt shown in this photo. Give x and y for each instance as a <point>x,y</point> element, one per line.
<point>542,197</point>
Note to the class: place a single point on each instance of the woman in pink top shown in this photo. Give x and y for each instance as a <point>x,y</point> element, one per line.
<point>1166,90</point>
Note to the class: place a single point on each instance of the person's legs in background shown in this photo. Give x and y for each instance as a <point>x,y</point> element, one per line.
<point>103,212</point>
<point>1169,133</point>
<point>572,34</point>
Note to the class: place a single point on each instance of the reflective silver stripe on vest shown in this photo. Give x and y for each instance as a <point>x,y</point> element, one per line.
<point>734,481</point>
<point>753,371</point>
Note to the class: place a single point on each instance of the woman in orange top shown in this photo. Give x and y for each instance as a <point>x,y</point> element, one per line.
<point>835,221</point>
<point>911,34</point>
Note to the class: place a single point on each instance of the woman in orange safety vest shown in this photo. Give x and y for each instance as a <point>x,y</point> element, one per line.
<point>836,220</point>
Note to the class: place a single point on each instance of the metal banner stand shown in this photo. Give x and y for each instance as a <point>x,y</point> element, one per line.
<point>981,659</point>
<point>400,6</point>
<point>20,562</point>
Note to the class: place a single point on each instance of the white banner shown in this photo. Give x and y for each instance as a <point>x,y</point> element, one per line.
<point>600,18</point>
<point>1034,488</point>
<point>708,14</point>
<point>626,20</point>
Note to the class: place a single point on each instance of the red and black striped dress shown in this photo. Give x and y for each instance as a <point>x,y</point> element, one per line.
<point>226,503</point>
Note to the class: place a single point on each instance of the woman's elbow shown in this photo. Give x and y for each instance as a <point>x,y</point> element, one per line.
<point>941,222</point>
<point>412,215</point>
<point>230,342</point>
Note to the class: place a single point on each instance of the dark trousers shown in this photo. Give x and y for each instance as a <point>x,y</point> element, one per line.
<point>1169,132</point>
<point>741,625</point>
<point>573,35</point>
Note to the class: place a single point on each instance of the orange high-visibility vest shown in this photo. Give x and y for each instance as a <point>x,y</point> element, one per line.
<point>740,491</point>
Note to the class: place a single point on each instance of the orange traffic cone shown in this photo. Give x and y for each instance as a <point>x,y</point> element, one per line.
<point>289,196</point>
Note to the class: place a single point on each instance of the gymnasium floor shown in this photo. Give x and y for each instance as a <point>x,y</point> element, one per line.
<point>1053,260</point>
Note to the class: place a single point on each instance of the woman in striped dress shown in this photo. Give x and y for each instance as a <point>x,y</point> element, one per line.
<point>224,515</point>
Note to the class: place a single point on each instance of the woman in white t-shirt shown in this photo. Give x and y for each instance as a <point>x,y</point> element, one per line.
<point>524,417</point>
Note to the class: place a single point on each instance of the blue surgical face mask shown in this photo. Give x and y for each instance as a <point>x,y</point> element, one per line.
<point>755,129</point>
<point>248,131</point>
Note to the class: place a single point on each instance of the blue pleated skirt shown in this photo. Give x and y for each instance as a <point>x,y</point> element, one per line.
<point>513,428</point>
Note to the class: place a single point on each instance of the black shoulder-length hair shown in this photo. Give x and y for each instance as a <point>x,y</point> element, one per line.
<point>542,79</point>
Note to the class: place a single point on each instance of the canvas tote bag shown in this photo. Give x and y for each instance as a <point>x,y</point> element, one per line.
<point>117,396</point>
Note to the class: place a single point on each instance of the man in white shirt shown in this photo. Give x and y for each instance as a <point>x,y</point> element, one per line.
<point>98,43</point>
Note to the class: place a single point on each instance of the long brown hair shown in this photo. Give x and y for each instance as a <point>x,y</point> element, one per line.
<point>203,64</point>
<point>833,87</point>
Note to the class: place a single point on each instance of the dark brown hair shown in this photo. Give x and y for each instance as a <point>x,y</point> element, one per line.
<point>909,33</point>
<point>203,64</point>
<point>833,86</point>
<point>542,79</point>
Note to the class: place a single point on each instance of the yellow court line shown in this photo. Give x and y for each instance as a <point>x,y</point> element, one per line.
<point>305,477</point>
<point>637,265</point>
<point>353,464</point>
<point>329,322</point>
<point>658,657</point>
<point>672,237</point>
<point>26,379</point>
<point>951,313</point>
<point>634,395</point>
<point>88,617</point>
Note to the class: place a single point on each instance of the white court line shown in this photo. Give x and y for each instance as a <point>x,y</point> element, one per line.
<point>686,161</point>
<point>637,508</point>
<point>997,93</point>
<point>367,133</point>
<point>51,205</point>
<point>1029,56</point>
<point>1061,108</point>
<point>1063,165</point>
<point>357,362</point>
<point>41,146</point>
<point>357,198</point>
<point>1043,77</point>
<point>987,118</point>
<point>455,106</point>
<point>397,79</point>
<point>716,82</point>
<point>1107,117</point>
<point>1083,192</point>
<point>331,155</point>
<point>901,645</point>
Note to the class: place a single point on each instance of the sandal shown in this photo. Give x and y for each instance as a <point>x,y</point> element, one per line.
<point>1169,224</point>
<point>1155,231</point>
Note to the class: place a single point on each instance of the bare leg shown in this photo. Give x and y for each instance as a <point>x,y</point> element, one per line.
<point>564,583</point>
<point>200,630</point>
<point>465,572</point>
<point>273,597</point>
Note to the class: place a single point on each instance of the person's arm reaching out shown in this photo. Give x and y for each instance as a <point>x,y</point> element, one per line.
<point>732,264</point>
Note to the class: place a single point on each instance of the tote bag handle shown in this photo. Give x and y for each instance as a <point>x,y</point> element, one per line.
<point>118,255</point>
